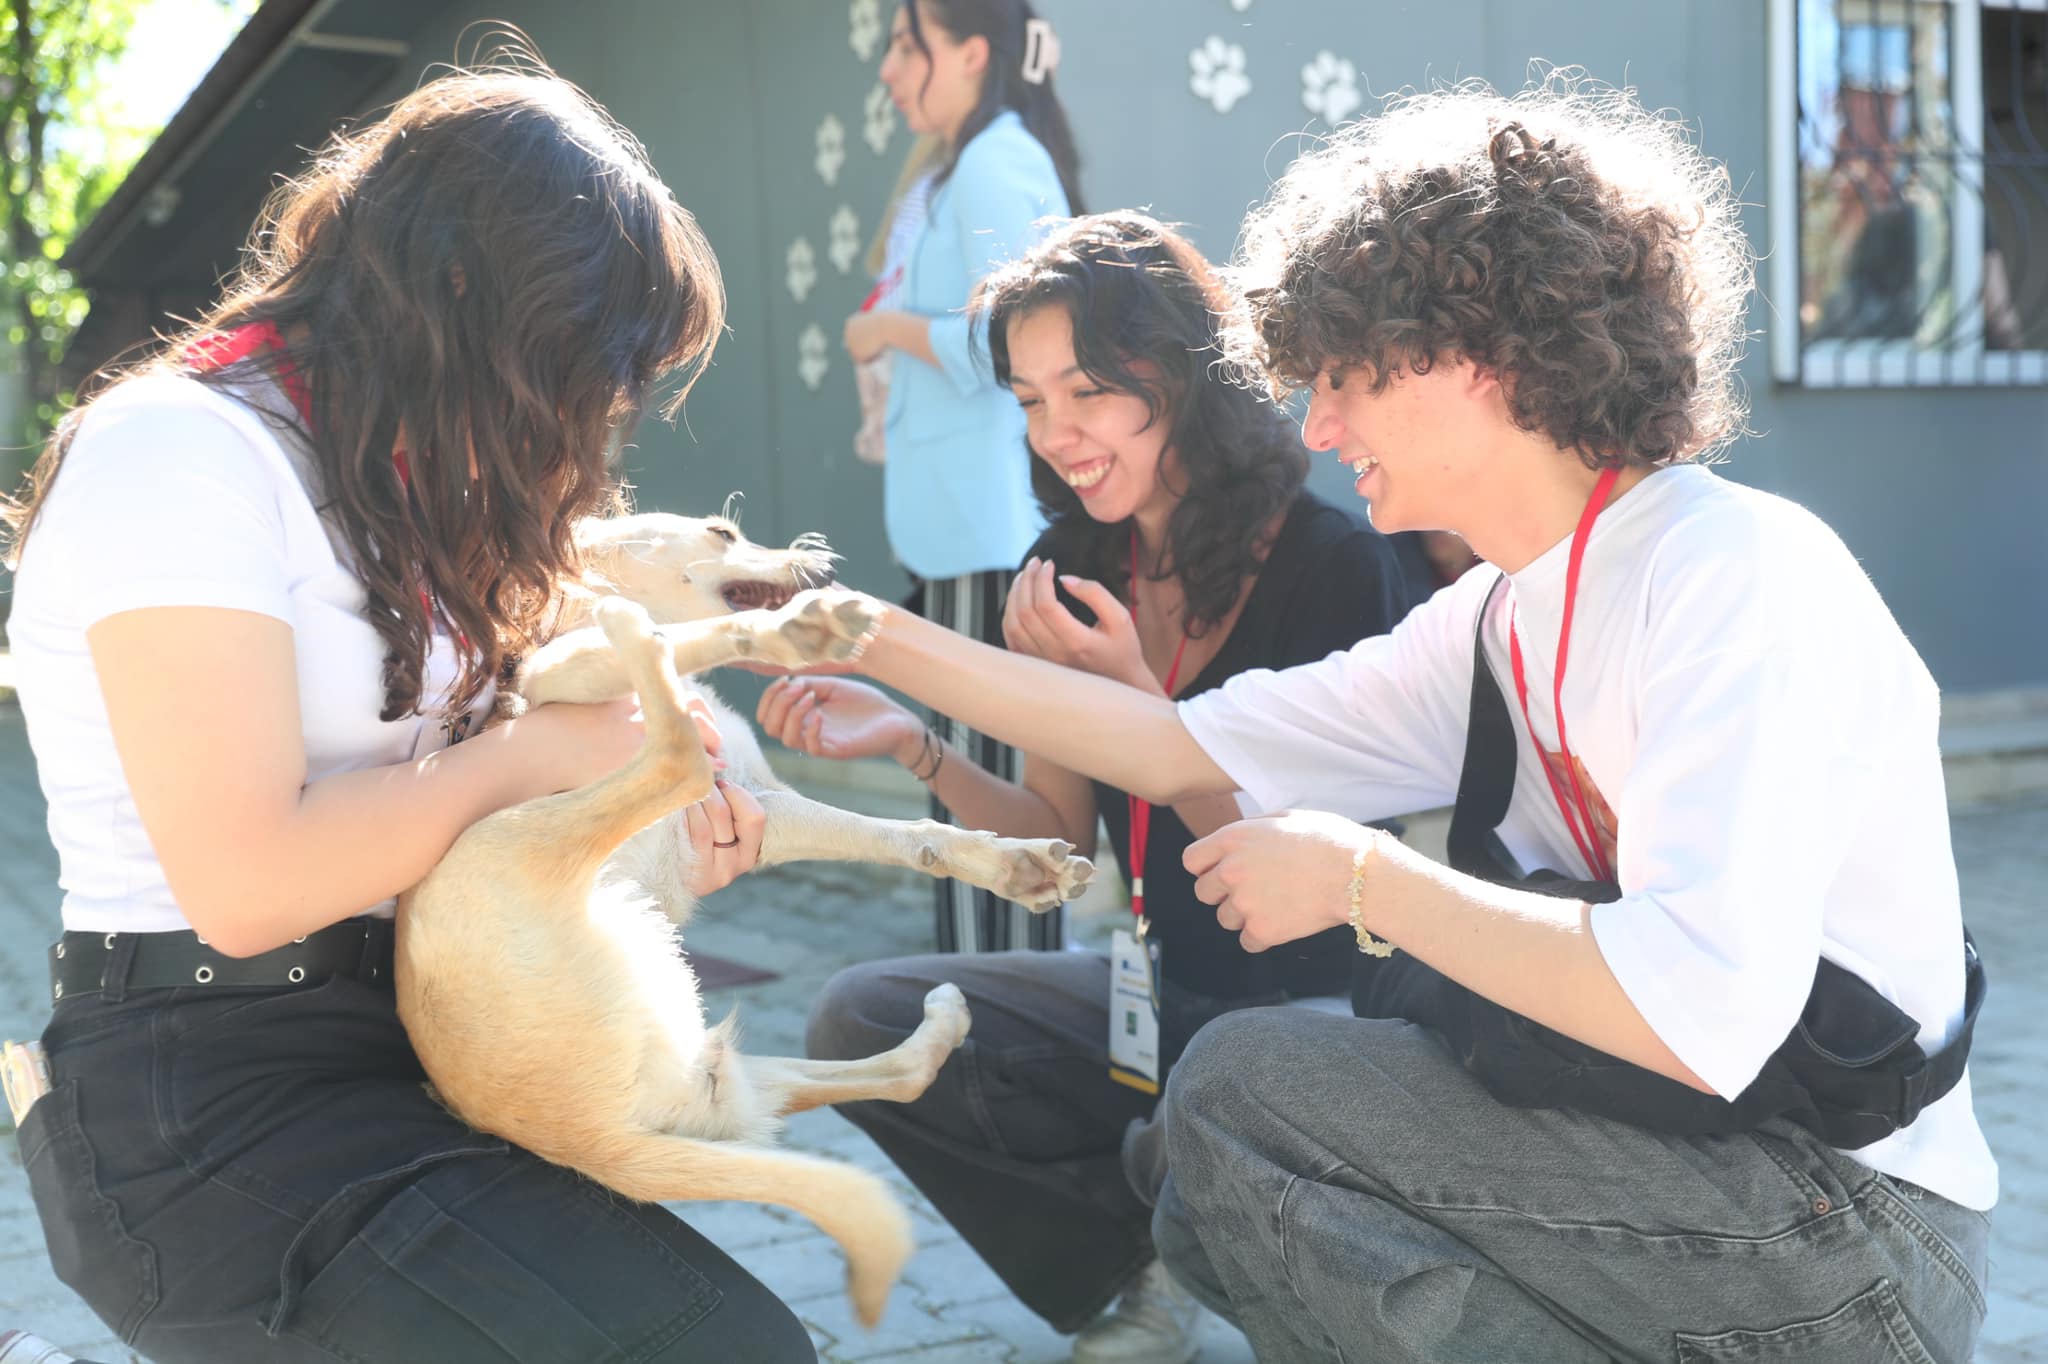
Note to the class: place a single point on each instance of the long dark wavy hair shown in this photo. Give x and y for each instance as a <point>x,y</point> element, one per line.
<point>1002,23</point>
<point>1145,309</point>
<point>490,276</point>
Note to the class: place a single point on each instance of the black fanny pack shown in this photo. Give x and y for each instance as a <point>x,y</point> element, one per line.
<point>1850,1071</point>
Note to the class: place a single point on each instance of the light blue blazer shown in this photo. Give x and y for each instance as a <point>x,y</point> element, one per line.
<point>957,483</point>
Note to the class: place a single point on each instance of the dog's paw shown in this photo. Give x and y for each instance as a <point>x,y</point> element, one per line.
<point>1039,873</point>
<point>826,625</point>
<point>945,1013</point>
<point>581,666</point>
<point>623,621</point>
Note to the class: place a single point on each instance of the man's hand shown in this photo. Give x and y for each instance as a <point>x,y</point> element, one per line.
<point>1276,878</point>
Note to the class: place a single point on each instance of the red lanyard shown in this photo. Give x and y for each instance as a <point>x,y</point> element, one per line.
<point>882,286</point>
<point>1141,809</point>
<point>1589,841</point>
<point>218,350</point>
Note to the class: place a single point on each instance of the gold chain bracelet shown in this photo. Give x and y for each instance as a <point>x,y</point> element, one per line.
<point>1367,943</point>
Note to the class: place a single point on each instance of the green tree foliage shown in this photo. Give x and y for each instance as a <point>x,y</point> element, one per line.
<point>68,138</point>
<point>65,152</point>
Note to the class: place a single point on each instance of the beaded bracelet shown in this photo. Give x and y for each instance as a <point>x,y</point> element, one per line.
<point>1367,943</point>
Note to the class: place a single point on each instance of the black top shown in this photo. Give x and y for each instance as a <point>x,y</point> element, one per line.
<point>1328,582</point>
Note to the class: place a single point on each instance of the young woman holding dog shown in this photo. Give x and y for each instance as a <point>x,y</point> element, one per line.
<point>265,581</point>
<point>1183,550</point>
<point>976,76</point>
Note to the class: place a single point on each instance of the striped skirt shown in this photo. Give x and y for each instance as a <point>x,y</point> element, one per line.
<point>967,919</point>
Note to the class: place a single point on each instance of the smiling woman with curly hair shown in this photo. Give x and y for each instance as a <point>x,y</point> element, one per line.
<point>1701,1093</point>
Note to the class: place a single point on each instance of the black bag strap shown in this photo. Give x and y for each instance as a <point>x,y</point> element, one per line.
<point>1486,786</point>
<point>1849,1100</point>
<point>1487,781</point>
<point>1943,1069</point>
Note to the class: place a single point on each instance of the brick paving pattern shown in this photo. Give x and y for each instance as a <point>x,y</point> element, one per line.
<point>807,922</point>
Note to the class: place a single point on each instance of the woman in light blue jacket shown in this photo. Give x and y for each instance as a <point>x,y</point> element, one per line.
<point>977,75</point>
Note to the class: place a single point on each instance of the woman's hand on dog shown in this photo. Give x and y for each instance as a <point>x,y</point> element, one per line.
<point>836,717</point>
<point>725,830</point>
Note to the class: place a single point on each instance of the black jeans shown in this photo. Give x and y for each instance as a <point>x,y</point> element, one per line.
<point>1021,1143</point>
<point>231,1175</point>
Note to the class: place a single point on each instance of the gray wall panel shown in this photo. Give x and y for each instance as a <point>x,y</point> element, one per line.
<point>1939,493</point>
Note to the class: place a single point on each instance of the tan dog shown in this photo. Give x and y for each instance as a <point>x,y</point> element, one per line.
<point>537,966</point>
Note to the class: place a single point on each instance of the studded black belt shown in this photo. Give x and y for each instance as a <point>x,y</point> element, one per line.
<point>81,963</point>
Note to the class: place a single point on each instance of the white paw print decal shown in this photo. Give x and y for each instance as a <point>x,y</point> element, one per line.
<point>831,149</point>
<point>802,269</point>
<point>811,363</point>
<point>1240,5</point>
<point>864,28</point>
<point>881,118</point>
<point>845,243</point>
<point>1329,88</point>
<point>1219,76</point>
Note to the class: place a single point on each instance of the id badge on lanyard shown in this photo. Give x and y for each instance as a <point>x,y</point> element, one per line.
<point>1134,952</point>
<point>1134,1009</point>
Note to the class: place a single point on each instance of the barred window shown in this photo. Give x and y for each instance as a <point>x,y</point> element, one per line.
<point>1909,192</point>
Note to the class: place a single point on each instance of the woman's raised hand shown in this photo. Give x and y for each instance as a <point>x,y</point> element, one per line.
<point>836,717</point>
<point>1035,623</point>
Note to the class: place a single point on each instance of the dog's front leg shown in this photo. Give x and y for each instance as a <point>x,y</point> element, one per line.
<point>1041,873</point>
<point>823,626</point>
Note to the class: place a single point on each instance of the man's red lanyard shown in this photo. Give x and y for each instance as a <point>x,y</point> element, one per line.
<point>1589,840</point>
<point>1141,809</point>
<point>218,350</point>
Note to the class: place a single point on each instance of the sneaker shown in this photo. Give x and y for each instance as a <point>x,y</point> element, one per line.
<point>19,1347</point>
<point>1154,1322</point>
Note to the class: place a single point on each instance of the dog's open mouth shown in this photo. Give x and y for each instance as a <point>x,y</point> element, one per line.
<point>753,595</point>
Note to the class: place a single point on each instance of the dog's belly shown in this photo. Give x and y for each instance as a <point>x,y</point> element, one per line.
<point>554,1018</point>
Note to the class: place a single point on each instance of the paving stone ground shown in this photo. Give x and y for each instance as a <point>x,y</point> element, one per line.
<point>807,922</point>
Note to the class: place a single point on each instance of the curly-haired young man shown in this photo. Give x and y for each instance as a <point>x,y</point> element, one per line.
<point>1708,1102</point>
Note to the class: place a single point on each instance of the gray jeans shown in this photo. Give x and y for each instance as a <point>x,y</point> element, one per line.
<point>1344,1191</point>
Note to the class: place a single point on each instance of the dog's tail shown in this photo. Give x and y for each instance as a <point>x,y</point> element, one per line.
<point>850,1205</point>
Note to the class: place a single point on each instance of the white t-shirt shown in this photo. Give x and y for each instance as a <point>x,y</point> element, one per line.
<point>175,494</point>
<point>1766,737</point>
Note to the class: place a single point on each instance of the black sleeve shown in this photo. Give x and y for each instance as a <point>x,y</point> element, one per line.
<point>1351,587</point>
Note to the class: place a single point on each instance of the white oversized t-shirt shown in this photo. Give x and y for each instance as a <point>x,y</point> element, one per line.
<point>175,493</point>
<point>1764,735</point>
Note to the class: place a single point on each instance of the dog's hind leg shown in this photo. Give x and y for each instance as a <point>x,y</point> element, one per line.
<point>898,1075</point>
<point>1042,873</point>
<point>850,1205</point>
<point>585,826</point>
